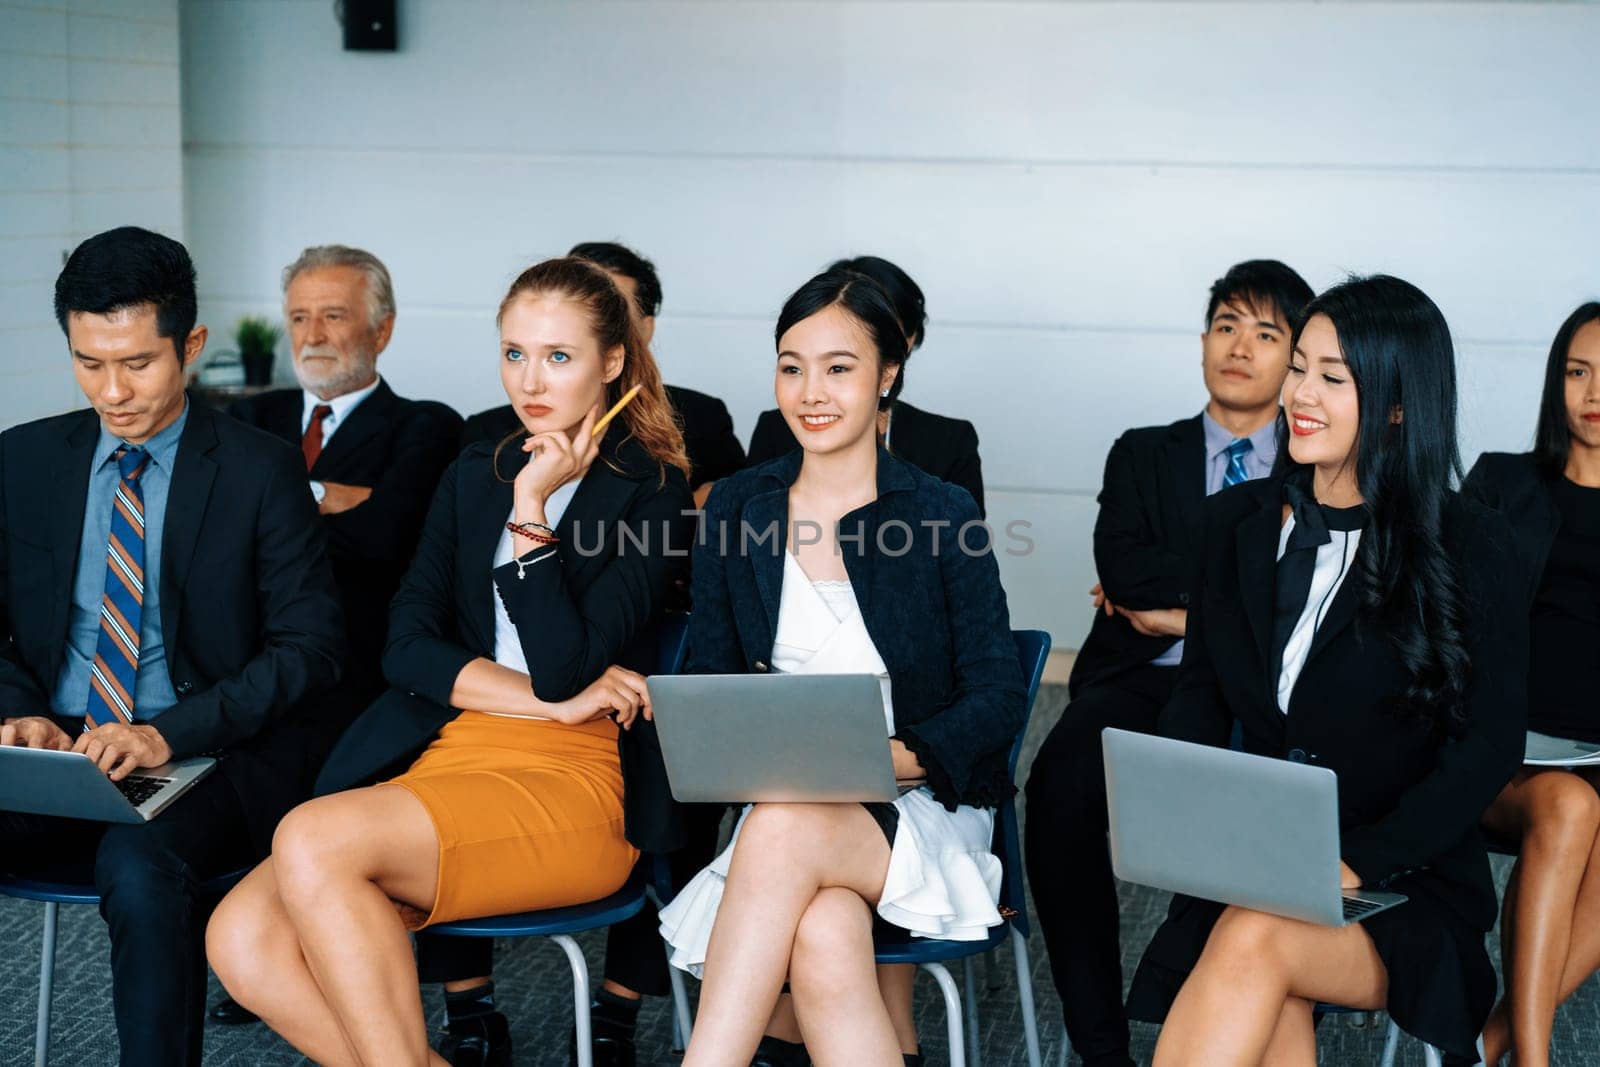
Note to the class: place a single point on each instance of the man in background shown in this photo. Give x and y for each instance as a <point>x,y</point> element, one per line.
<point>372,460</point>
<point>1156,482</point>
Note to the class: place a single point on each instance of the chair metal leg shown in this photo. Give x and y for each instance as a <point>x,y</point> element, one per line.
<point>952,1011</point>
<point>680,1007</point>
<point>580,997</point>
<point>1432,1056</point>
<point>1066,1048</point>
<point>1391,1044</point>
<point>1030,1019</point>
<point>47,976</point>
<point>969,983</point>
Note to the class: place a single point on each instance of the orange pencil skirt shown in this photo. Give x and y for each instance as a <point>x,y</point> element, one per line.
<point>528,813</point>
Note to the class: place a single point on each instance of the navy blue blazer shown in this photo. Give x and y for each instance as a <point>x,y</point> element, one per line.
<point>936,613</point>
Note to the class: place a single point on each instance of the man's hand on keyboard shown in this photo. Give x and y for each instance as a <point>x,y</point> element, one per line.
<point>34,731</point>
<point>120,749</point>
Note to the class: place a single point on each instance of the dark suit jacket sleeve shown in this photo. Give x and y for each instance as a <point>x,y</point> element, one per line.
<point>967,470</point>
<point>20,692</point>
<point>1135,569</point>
<point>488,425</point>
<point>770,439</point>
<point>382,529</point>
<point>569,640</point>
<point>1196,711</point>
<point>1436,812</point>
<point>301,625</point>
<point>986,709</point>
<point>714,449</point>
<point>424,654</point>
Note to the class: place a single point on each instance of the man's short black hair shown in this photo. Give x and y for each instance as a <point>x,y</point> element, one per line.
<point>1269,288</point>
<point>620,259</point>
<point>126,268</point>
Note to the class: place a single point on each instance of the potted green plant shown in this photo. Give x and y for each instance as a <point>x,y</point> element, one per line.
<point>256,338</point>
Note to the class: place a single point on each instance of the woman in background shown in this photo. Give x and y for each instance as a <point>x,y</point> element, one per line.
<point>1550,924</point>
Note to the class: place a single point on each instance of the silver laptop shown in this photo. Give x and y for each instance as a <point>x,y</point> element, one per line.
<point>69,784</point>
<point>1222,825</point>
<point>773,737</point>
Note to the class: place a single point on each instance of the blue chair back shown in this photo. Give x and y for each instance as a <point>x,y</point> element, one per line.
<point>1033,650</point>
<point>672,642</point>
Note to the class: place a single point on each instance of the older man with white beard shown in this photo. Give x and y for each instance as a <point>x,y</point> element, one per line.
<point>372,462</point>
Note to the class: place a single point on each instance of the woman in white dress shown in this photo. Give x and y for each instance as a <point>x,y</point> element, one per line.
<point>874,567</point>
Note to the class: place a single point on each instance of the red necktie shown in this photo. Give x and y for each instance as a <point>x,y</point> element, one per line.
<point>311,443</point>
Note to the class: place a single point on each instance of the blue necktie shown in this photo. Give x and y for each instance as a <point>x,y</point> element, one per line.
<point>116,655</point>
<point>1236,473</point>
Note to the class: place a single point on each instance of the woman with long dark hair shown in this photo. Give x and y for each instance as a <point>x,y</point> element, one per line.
<point>1550,925</point>
<point>1353,614</point>
<point>544,562</point>
<point>876,568</point>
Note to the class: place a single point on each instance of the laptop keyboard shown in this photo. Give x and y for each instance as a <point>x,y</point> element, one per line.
<point>1356,908</point>
<point>139,788</point>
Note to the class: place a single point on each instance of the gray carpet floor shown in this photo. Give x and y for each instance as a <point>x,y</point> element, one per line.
<point>534,989</point>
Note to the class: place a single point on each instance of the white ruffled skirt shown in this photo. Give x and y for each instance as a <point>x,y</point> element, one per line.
<point>942,882</point>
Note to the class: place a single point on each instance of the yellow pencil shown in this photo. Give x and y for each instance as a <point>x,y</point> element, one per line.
<point>600,426</point>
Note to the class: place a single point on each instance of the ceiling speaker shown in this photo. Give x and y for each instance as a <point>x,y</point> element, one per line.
<point>369,25</point>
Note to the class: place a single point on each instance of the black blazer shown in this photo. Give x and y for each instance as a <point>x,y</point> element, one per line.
<point>248,616</point>
<point>399,448</point>
<point>577,615</point>
<point>708,437</point>
<point>936,613</point>
<point>1144,541</point>
<point>944,447</point>
<point>1409,801</point>
<point>1517,487</point>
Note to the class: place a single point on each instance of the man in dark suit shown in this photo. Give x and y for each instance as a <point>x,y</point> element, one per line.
<point>1156,481</point>
<point>373,459</point>
<point>166,594</point>
<point>708,437</point>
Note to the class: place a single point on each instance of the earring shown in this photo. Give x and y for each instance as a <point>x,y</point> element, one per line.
<point>884,394</point>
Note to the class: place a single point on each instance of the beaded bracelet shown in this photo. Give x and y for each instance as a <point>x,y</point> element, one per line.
<point>528,530</point>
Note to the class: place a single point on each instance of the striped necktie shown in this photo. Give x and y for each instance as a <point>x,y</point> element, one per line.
<point>116,655</point>
<point>1236,473</point>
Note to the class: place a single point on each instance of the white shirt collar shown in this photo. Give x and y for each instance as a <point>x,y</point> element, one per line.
<point>342,406</point>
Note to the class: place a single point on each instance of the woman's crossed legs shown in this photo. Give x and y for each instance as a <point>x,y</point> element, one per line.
<point>1250,997</point>
<point>314,940</point>
<point>798,902</point>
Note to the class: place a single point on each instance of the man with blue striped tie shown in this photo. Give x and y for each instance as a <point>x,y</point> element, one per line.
<point>1156,482</point>
<point>164,592</point>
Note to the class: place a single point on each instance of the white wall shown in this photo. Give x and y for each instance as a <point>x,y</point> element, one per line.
<point>1063,179</point>
<point>89,139</point>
